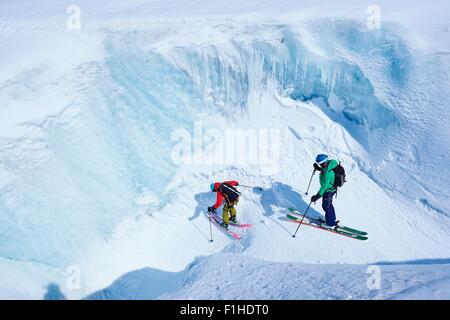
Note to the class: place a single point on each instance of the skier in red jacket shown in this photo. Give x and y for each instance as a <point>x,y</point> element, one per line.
<point>226,191</point>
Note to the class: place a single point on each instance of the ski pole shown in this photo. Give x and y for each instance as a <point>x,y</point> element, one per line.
<point>243,185</point>
<point>293,236</point>
<point>210,227</point>
<point>314,171</point>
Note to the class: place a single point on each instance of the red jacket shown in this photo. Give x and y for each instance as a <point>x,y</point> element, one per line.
<point>220,195</point>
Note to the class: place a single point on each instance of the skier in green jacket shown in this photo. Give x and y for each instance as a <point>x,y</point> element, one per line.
<point>327,189</point>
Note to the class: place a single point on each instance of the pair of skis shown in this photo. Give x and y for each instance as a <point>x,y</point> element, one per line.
<point>217,221</point>
<point>296,216</point>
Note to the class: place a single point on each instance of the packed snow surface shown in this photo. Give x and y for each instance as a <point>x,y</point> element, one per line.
<point>96,201</point>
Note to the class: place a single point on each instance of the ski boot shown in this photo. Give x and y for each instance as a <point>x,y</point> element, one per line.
<point>224,225</point>
<point>233,219</point>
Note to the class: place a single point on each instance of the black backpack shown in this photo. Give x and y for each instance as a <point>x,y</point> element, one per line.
<point>230,192</point>
<point>339,176</point>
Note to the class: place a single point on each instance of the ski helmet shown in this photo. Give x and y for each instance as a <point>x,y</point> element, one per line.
<point>321,158</point>
<point>212,186</point>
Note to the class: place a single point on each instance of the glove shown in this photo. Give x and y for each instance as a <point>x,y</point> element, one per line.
<point>211,210</point>
<point>316,166</point>
<point>315,197</point>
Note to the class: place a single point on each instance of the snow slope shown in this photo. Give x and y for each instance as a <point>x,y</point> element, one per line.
<point>87,121</point>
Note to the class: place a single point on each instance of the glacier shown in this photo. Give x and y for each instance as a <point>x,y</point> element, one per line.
<point>86,174</point>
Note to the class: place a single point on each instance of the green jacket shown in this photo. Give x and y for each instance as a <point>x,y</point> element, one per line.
<point>327,178</point>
